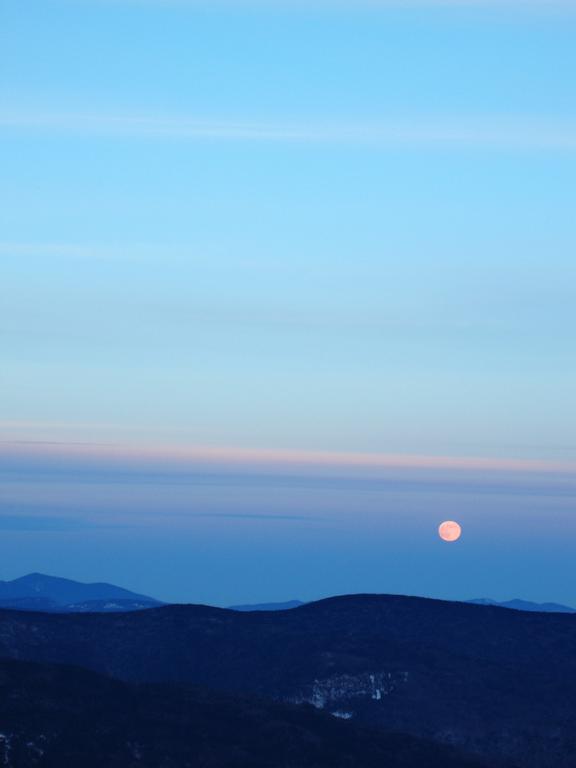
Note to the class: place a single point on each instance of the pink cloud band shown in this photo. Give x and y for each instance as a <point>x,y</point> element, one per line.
<point>273,457</point>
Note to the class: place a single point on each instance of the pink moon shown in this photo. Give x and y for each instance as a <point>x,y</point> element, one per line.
<point>449,531</point>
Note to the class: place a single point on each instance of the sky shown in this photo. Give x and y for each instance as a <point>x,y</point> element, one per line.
<point>283,285</point>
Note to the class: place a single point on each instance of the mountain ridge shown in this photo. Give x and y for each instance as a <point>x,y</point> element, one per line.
<point>496,683</point>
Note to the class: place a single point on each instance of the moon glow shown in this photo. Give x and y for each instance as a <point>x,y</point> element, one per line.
<point>449,531</point>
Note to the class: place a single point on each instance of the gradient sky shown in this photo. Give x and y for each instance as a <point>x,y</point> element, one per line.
<point>273,245</point>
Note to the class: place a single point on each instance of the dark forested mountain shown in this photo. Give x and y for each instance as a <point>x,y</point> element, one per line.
<point>497,683</point>
<point>38,592</point>
<point>61,717</point>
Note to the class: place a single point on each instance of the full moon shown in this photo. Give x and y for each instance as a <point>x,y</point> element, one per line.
<point>449,530</point>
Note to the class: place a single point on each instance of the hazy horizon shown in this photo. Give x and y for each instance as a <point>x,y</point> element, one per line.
<point>231,532</point>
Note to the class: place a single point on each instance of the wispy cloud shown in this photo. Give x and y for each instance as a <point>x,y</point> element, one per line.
<point>490,132</point>
<point>53,425</point>
<point>374,4</point>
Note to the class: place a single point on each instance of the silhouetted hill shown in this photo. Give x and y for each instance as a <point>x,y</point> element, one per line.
<point>526,605</point>
<point>498,683</point>
<point>70,718</point>
<point>38,592</point>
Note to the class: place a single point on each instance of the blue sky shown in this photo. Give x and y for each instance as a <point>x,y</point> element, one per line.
<point>288,226</point>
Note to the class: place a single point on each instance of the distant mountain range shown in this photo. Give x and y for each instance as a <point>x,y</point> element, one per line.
<point>499,685</point>
<point>268,606</point>
<point>52,594</point>
<point>38,592</point>
<point>525,605</point>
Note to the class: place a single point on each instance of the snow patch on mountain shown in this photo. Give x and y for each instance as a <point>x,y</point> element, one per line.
<point>342,688</point>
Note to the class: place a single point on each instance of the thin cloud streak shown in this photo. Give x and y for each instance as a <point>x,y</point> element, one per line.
<point>79,251</point>
<point>497,133</point>
<point>46,523</point>
<point>252,516</point>
<point>209,455</point>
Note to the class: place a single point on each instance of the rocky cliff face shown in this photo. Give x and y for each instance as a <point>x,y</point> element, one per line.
<point>347,689</point>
